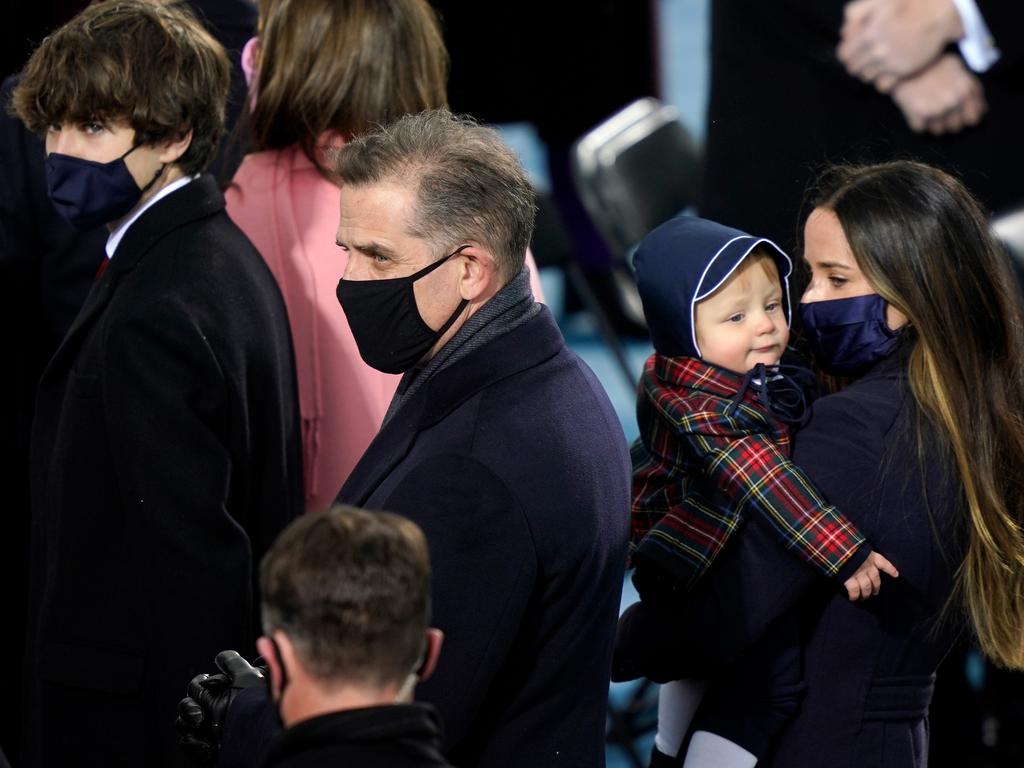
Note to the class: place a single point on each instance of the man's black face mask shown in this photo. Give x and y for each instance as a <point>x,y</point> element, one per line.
<point>385,321</point>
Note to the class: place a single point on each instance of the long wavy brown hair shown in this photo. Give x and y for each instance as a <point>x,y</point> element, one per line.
<point>343,66</point>
<point>924,243</point>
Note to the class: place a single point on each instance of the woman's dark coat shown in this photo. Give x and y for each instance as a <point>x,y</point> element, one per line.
<point>869,666</point>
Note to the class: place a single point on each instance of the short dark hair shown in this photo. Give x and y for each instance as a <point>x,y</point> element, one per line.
<point>469,184</point>
<point>151,65</point>
<point>351,588</point>
<point>336,66</point>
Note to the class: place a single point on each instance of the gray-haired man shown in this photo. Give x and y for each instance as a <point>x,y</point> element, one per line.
<point>500,443</point>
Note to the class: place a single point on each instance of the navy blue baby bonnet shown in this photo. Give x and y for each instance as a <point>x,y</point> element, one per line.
<point>687,259</point>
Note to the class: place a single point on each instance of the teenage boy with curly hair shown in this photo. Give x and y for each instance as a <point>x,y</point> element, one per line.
<point>165,451</point>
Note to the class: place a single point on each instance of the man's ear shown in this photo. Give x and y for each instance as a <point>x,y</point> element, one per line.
<point>435,638</point>
<point>172,150</point>
<point>265,648</point>
<point>479,276</point>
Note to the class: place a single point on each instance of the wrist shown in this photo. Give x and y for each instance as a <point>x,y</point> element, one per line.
<point>952,22</point>
<point>855,561</point>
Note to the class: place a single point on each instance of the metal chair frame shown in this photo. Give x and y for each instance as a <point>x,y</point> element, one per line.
<point>632,172</point>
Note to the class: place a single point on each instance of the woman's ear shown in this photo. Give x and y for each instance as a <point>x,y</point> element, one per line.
<point>894,318</point>
<point>251,60</point>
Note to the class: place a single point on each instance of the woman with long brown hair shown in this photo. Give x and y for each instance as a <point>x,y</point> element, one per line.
<point>913,302</point>
<point>965,365</point>
<point>324,71</point>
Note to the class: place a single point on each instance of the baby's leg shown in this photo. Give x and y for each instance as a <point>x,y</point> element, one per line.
<point>677,703</point>
<point>749,706</point>
<point>709,750</point>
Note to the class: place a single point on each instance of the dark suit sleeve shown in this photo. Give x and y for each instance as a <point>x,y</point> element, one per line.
<point>483,558</point>
<point>250,727</point>
<point>756,582</point>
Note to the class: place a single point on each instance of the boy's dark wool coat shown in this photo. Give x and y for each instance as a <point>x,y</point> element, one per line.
<point>165,459</point>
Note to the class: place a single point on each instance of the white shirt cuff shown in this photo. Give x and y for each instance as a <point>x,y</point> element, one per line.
<point>977,46</point>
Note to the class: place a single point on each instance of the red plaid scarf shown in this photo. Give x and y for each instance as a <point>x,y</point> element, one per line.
<point>706,460</point>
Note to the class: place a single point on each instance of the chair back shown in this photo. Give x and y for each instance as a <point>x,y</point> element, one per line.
<point>635,171</point>
<point>1009,230</point>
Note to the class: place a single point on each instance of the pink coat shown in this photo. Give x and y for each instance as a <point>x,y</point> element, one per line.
<point>290,212</point>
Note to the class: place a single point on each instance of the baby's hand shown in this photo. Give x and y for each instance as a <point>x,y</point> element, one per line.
<point>868,578</point>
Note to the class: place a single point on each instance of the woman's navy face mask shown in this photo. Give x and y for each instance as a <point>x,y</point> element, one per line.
<point>848,336</point>
<point>846,322</point>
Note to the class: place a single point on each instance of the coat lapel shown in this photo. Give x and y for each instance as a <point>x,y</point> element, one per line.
<point>388,448</point>
<point>528,345</point>
<point>195,200</point>
<point>98,298</point>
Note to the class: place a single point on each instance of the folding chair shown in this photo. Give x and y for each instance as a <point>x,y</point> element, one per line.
<point>1009,230</point>
<point>632,172</point>
<point>635,171</point>
<point>632,714</point>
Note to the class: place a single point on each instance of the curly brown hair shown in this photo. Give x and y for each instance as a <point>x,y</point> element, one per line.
<point>148,64</point>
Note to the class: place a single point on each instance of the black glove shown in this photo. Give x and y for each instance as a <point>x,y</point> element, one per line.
<point>202,713</point>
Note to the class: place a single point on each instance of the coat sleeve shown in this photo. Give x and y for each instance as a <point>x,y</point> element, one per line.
<point>484,570</point>
<point>765,484</point>
<point>165,401</point>
<point>749,468</point>
<point>755,582</point>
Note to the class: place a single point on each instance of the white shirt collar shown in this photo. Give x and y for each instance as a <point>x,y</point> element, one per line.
<point>115,237</point>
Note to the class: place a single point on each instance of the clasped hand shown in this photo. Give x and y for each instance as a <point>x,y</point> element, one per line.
<point>201,714</point>
<point>898,45</point>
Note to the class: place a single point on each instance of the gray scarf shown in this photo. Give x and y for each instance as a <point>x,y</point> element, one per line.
<point>509,308</point>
